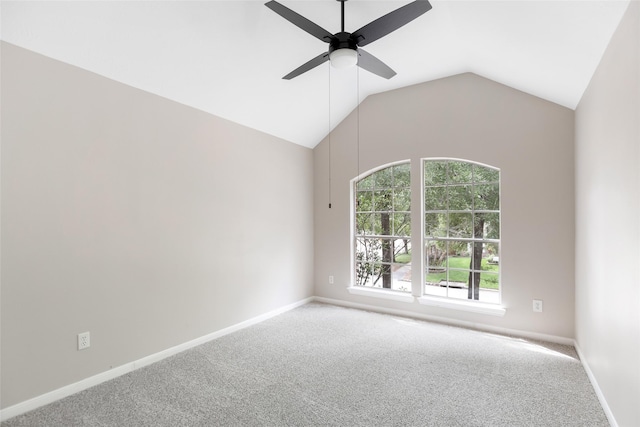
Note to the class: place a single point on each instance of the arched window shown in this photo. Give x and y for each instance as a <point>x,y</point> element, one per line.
<point>382,228</point>
<point>462,230</point>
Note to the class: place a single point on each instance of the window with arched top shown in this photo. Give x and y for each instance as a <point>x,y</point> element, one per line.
<point>459,257</point>
<point>382,229</point>
<point>461,230</point>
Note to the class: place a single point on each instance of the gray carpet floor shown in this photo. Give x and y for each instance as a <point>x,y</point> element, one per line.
<point>322,365</point>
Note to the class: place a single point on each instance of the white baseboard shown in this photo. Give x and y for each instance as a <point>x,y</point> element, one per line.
<point>453,322</point>
<point>52,396</point>
<point>70,389</point>
<point>596,387</point>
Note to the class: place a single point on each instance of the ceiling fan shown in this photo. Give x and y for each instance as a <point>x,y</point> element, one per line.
<point>345,49</point>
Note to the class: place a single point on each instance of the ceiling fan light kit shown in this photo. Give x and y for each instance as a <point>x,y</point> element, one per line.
<point>345,49</point>
<point>343,58</point>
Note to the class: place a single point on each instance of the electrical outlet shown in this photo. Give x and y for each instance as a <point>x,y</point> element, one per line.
<point>331,280</point>
<point>537,305</point>
<point>84,340</point>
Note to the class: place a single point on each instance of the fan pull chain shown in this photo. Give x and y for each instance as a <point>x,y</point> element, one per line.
<point>358,120</point>
<point>330,198</point>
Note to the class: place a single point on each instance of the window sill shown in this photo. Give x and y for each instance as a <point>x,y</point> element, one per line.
<point>381,293</point>
<point>474,307</point>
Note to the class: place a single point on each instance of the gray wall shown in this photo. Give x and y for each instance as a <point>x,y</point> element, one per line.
<point>608,222</point>
<point>465,117</point>
<point>138,219</point>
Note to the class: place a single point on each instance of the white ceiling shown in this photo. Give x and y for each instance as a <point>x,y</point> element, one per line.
<point>228,57</point>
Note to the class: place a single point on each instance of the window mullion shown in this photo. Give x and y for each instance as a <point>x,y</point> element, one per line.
<point>417,228</point>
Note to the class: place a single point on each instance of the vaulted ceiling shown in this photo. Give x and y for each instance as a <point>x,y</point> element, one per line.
<point>228,57</point>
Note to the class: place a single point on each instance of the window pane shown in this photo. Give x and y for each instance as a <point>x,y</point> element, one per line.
<point>487,197</point>
<point>402,175</point>
<point>364,224</point>
<point>458,279</point>
<point>382,224</point>
<point>402,251</point>
<point>402,199</point>
<point>435,172</point>
<point>369,250</point>
<point>364,201</point>
<point>382,200</point>
<point>368,256</point>
<point>460,225</point>
<point>436,255</point>
<point>458,284</point>
<point>436,276</point>
<point>368,273</point>
<point>487,226</point>
<point>435,225</point>
<point>490,257</point>
<point>460,172</point>
<point>436,262</point>
<point>402,224</point>
<point>460,198</point>
<point>459,257</point>
<point>435,198</point>
<point>484,174</point>
<point>366,183</point>
<point>383,178</point>
<point>488,280</point>
<point>363,272</point>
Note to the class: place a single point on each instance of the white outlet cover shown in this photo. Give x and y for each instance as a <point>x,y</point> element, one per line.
<point>537,305</point>
<point>84,340</point>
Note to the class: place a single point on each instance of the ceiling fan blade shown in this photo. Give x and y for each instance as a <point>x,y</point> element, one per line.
<point>323,57</point>
<point>372,64</point>
<point>300,21</point>
<point>391,22</point>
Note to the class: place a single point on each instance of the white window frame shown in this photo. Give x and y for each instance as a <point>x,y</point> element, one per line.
<point>365,290</point>
<point>475,306</point>
<point>418,279</point>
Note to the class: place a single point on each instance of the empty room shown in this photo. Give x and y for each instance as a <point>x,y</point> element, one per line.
<point>320,212</point>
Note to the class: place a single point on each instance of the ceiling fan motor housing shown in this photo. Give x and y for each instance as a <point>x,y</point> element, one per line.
<point>342,40</point>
